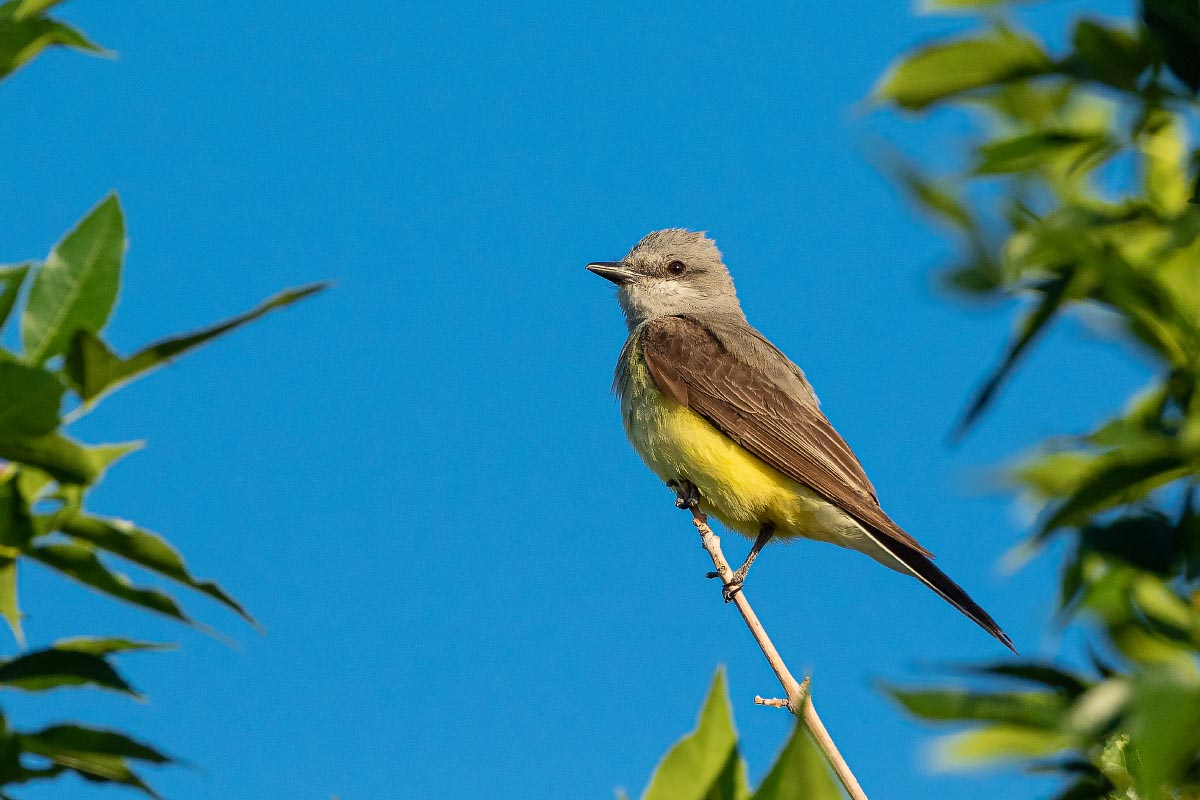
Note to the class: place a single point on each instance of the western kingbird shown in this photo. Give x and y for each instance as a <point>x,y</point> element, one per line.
<point>714,408</point>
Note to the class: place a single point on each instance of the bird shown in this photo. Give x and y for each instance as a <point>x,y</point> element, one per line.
<point>722,416</point>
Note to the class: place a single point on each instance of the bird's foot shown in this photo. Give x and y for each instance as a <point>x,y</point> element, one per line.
<point>687,496</point>
<point>732,586</point>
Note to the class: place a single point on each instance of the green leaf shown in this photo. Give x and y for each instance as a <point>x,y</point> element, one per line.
<point>96,754</point>
<point>1087,787</point>
<point>29,400</point>
<point>78,560</point>
<point>1175,25</point>
<point>58,739</point>
<point>692,767</point>
<point>1050,475</point>
<point>949,68</point>
<point>145,549</point>
<point>94,369</point>
<point>799,772</point>
<point>16,521</point>
<point>1000,742</point>
<point>107,646</point>
<point>935,198</point>
<point>21,39</point>
<point>732,783</point>
<point>1054,294</point>
<point>1164,726</point>
<point>63,459</point>
<point>105,455</point>
<point>23,9</point>
<point>1108,55</point>
<point>16,531</point>
<point>1147,541</point>
<point>55,668</point>
<point>1119,478</point>
<point>11,279</point>
<point>1032,151</point>
<point>9,607</point>
<point>1163,145</point>
<point>1043,710</point>
<point>1048,675</point>
<point>960,6</point>
<point>77,285</point>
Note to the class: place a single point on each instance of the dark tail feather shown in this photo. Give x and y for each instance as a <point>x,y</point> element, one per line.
<point>940,582</point>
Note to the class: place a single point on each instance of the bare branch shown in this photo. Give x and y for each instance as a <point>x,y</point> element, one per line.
<point>799,700</point>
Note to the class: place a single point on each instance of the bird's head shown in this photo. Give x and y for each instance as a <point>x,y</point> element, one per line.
<point>671,272</point>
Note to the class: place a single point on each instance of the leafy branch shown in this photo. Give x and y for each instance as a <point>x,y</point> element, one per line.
<point>1077,199</point>
<point>62,369</point>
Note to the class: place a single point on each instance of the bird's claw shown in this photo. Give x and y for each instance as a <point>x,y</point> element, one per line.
<point>687,496</point>
<point>730,589</point>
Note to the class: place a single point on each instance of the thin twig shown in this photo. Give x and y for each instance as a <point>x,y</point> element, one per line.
<point>799,700</point>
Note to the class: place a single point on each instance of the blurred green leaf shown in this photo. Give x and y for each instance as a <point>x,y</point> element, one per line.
<point>1048,675</point>
<point>1119,477</point>
<point>29,399</point>
<point>1032,151</point>
<point>105,455</point>
<point>961,6</point>
<point>63,459</point>
<point>946,69</point>
<point>1054,474</point>
<point>1054,293</point>
<point>78,560</point>
<point>980,276</point>
<point>1041,710</point>
<point>799,772</point>
<point>936,198</point>
<point>1175,25</point>
<point>1094,712</point>
<point>23,36</point>
<point>9,606</point>
<point>11,279</point>
<point>1001,742</point>
<point>94,369</point>
<point>25,9</point>
<point>1163,145</point>
<point>145,549</point>
<point>1148,541</point>
<point>1087,787</point>
<point>1108,55</point>
<point>77,285</point>
<point>1164,726</point>
<point>698,762</point>
<point>1024,104</point>
<point>54,668</point>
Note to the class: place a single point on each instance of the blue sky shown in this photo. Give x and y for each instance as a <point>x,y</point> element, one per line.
<point>418,481</point>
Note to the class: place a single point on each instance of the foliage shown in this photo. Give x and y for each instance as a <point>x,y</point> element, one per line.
<point>64,364</point>
<point>1076,197</point>
<point>707,764</point>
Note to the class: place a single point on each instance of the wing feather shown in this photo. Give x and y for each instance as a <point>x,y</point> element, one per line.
<point>690,365</point>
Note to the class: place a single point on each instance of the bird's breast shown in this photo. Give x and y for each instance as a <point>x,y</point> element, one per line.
<point>735,486</point>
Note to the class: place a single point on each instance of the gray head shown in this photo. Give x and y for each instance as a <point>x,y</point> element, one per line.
<point>671,272</point>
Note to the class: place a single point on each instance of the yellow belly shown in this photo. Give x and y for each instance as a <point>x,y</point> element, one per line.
<point>736,487</point>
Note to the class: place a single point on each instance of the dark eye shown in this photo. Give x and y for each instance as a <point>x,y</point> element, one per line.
<point>677,268</point>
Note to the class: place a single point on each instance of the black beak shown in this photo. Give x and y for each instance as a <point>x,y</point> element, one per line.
<point>616,271</point>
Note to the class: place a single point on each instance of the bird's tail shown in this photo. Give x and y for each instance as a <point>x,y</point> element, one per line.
<point>924,569</point>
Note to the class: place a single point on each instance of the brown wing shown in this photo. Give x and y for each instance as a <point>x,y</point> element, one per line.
<point>688,364</point>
